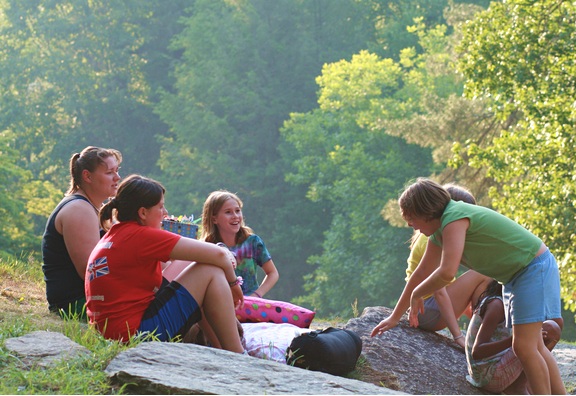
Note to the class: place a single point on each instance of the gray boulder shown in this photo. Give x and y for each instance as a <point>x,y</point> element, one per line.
<point>421,362</point>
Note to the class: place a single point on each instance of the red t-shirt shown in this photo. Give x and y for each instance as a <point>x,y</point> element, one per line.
<point>124,271</point>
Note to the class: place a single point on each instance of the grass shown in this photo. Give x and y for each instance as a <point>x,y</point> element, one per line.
<point>23,309</point>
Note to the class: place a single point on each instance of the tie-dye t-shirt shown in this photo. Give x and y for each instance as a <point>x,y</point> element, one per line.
<point>250,255</point>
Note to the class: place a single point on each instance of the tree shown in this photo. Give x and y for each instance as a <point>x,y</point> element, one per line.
<point>354,170</point>
<point>245,65</point>
<point>15,229</point>
<point>519,56</point>
<point>346,146</point>
<point>74,75</point>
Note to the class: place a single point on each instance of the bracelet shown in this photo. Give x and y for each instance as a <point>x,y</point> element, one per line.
<point>460,336</point>
<point>259,296</point>
<point>238,281</point>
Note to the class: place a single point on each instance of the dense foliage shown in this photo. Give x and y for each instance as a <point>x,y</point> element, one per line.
<point>316,112</point>
<point>519,56</point>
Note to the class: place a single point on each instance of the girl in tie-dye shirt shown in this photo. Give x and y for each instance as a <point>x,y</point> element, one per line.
<point>222,221</point>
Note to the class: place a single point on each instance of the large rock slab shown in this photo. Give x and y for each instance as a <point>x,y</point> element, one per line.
<point>160,368</point>
<point>423,362</point>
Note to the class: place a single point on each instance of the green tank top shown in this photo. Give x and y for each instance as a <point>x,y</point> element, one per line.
<point>495,245</point>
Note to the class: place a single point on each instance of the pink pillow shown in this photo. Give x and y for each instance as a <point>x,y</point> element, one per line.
<point>261,310</point>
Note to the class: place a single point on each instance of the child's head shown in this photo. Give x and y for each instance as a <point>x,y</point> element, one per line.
<point>212,206</point>
<point>424,199</point>
<point>459,193</point>
<point>494,289</point>
<point>134,192</point>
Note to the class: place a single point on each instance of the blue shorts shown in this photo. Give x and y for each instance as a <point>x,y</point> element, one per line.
<point>172,313</point>
<point>429,319</point>
<point>533,295</point>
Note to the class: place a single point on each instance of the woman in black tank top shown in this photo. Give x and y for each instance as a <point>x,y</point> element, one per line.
<point>73,229</point>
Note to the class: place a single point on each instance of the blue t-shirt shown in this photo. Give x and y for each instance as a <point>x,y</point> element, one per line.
<point>250,255</point>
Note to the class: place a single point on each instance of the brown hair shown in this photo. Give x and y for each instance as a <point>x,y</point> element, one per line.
<point>457,193</point>
<point>424,199</point>
<point>212,206</point>
<point>134,192</point>
<point>88,159</point>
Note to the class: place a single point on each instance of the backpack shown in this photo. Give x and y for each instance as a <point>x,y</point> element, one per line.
<point>332,350</point>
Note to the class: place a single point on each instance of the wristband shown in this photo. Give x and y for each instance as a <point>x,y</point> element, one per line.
<point>238,281</point>
<point>460,336</point>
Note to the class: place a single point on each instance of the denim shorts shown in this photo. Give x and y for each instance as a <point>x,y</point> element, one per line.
<point>172,313</point>
<point>429,319</point>
<point>533,295</point>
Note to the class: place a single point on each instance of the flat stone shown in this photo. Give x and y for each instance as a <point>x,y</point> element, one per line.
<point>44,348</point>
<point>159,368</point>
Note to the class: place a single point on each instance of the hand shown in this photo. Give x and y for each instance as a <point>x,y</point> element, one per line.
<point>237,296</point>
<point>460,341</point>
<point>383,326</point>
<point>416,307</point>
<point>231,255</point>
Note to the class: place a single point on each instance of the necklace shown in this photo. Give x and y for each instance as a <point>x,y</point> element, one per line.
<point>85,195</point>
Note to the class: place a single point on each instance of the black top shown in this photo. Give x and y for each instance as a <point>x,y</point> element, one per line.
<point>63,284</point>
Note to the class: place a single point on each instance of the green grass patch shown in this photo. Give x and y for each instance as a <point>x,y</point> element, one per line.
<point>81,375</point>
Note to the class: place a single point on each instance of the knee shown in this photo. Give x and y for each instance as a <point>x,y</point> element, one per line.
<point>553,333</point>
<point>559,322</point>
<point>522,350</point>
<point>205,269</point>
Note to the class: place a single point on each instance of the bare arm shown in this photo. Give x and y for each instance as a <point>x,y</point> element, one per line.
<point>453,238</point>
<point>483,347</point>
<point>78,223</point>
<point>429,261</point>
<point>270,279</point>
<point>188,249</point>
<point>447,312</point>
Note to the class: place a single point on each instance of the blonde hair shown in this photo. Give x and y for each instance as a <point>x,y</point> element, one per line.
<point>212,206</point>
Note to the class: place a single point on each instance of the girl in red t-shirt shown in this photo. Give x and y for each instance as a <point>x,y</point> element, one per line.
<point>125,290</point>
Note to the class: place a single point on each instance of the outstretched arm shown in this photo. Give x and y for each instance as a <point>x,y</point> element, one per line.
<point>453,237</point>
<point>429,261</point>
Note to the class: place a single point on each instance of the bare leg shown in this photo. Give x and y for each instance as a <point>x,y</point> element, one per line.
<point>209,287</point>
<point>172,270</point>
<point>551,333</point>
<point>537,361</point>
<point>209,333</point>
<point>175,268</point>
<point>464,290</point>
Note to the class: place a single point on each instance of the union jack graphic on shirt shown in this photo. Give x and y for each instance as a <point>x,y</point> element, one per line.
<point>98,268</point>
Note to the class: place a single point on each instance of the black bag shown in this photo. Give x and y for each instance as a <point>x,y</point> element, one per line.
<point>334,351</point>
